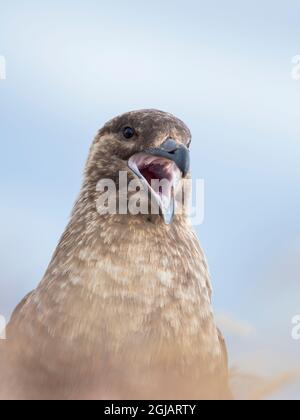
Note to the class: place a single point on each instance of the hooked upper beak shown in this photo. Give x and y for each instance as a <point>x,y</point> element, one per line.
<point>178,153</point>
<point>170,162</point>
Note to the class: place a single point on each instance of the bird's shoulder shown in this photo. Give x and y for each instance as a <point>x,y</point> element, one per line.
<point>227,392</point>
<point>14,320</point>
<point>223,348</point>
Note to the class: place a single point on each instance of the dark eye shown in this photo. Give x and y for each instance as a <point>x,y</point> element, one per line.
<point>128,132</point>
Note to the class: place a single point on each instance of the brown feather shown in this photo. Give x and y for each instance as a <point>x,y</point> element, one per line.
<point>124,309</point>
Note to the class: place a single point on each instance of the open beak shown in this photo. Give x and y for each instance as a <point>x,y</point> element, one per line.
<point>160,170</point>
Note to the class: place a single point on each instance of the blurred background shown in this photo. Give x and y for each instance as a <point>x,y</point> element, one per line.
<point>225,68</point>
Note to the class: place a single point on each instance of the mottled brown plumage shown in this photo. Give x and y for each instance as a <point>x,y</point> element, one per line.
<point>124,309</point>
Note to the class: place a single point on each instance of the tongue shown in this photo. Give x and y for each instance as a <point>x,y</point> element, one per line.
<point>153,172</point>
<point>162,175</point>
<point>156,178</point>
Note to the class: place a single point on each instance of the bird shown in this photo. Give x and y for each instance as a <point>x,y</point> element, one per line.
<point>124,310</point>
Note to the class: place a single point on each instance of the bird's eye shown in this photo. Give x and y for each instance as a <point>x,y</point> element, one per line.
<point>128,132</point>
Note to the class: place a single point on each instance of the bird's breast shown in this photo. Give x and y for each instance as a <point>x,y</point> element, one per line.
<point>142,303</point>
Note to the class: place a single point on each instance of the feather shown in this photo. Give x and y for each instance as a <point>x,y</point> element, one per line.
<point>124,309</point>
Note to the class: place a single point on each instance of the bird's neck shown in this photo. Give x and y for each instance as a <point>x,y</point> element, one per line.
<point>103,252</point>
<point>119,266</point>
<point>126,288</point>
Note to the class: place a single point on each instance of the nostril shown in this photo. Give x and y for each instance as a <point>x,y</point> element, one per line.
<point>170,146</point>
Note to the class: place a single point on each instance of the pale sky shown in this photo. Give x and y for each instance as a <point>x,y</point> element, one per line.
<point>225,68</point>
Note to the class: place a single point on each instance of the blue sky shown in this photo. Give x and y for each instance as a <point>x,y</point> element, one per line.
<point>225,69</point>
